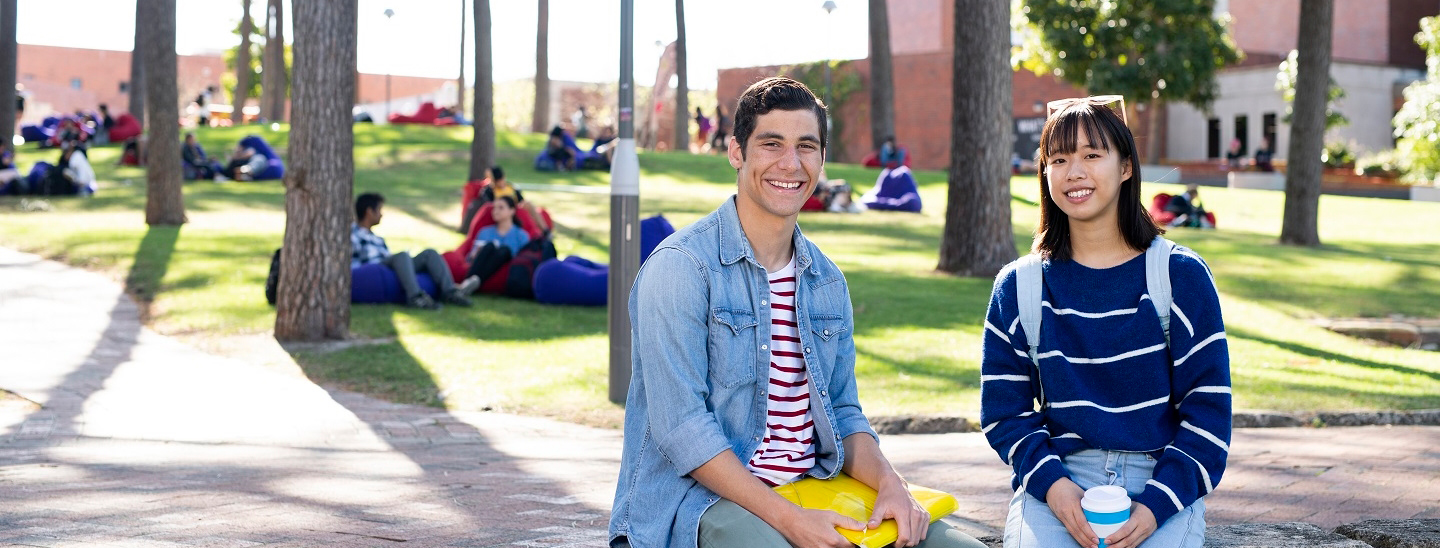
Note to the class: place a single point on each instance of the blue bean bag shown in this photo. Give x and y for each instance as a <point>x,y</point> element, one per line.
<point>579,281</point>
<point>543,161</point>
<point>377,284</point>
<point>894,190</point>
<point>275,167</point>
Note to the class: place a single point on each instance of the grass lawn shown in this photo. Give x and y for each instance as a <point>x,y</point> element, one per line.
<point>917,332</point>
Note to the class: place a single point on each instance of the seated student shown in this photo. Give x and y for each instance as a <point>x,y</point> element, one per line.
<point>367,248</point>
<point>1265,155</point>
<point>1187,208</point>
<point>496,244</point>
<point>500,187</point>
<point>104,125</point>
<point>835,195</point>
<point>195,164</point>
<point>244,162</point>
<point>132,153</point>
<point>71,175</point>
<point>1233,155</point>
<point>558,151</point>
<point>891,155</point>
<point>8,171</point>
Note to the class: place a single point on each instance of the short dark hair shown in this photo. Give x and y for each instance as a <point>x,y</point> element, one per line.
<point>509,200</point>
<point>1061,135</point>
<point>366,202</point>
<point>497,173</point>
<point>775,92</point>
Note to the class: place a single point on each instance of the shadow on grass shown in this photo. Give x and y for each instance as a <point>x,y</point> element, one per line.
<point>1303,350</point>
<point>152,261</point>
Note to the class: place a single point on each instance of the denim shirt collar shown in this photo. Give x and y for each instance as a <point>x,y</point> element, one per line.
<point>734,246</point>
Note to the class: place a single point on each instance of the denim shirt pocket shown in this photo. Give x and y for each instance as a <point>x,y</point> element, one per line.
<point>732,346</point>
<point>829,330</point>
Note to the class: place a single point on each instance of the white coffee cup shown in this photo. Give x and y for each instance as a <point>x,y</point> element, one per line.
<point>1107,508</point>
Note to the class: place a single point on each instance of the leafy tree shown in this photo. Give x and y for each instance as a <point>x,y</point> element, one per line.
<point>275,80</point>
<point>1149,52</point>
<point>1417,125</point>
<point>1285,83</point>
<point>244,61</point>
<point>978,239</point>
<point>682,87</point>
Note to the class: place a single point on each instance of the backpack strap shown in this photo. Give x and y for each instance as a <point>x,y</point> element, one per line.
<point>1028,294</point>
<point>1157,280</point>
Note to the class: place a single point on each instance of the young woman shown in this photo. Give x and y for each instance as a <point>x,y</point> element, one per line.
<point>1118,404</point>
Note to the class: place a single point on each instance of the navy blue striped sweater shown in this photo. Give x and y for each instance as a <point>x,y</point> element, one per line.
<point>1108,379</point>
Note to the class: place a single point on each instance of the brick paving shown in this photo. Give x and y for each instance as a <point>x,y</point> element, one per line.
<point>140,440</point>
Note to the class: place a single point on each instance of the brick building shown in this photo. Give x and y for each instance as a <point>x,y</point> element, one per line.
<point>63,80</point>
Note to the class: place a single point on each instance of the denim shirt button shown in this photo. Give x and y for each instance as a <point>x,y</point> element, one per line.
<point>807,350</point>
<point>764,347</point>
<point>822,393</point>
<point>826,332</point>
<point>763,301</point>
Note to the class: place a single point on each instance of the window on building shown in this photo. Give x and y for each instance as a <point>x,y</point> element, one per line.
<point>1242,133</point>
<point>1267,122</point>
<point>1212,139</point>
<point>124,87</point>
<point>75,83</point>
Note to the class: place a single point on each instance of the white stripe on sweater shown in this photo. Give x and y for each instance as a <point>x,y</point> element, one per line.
<point>1010,456</point>
<point>1013,324</point>
<point>1025,481</point>
<point>1108,359</point>
<point>1198,346</point>
<point>1021,378</point>
<point>1204,434</point>
<point>1203,472</point>
<point>1072,311</point>
<point>985,429</point>
<point>997,331</point>
<point>1086,403</point>
<point>1173,498</point>
<point>1204,390</point>
<point>1181,314</point>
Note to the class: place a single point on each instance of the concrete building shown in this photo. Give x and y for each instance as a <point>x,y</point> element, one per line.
<point>1374,56</point>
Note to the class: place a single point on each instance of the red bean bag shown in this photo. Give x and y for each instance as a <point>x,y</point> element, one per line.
<point>126,126</point>
<point>455,259</point>
<point>426,115</point>
<point>873,159</point>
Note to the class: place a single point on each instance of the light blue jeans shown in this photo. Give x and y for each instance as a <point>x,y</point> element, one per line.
<point>1031,524</point>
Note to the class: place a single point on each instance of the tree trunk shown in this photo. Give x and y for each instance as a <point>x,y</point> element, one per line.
<point>242,67</point>
<point>8,60</point>
<point>460,82</point>
<point>273,79</point>
<point>482,144</point>
<point>882,82</point>
<point>314,289</point>
<point>1156,108</point>
<point>978,239</point>
<point>1307,125</point>
<point>682,88</point>
<point>164,200</point>
<point>540,122</point>
<point>137,69</point>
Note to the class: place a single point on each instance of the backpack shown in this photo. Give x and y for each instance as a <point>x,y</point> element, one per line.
<point>272,280</point>
<point>1029,289</point>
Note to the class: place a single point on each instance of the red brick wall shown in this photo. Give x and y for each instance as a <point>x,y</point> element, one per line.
<point>372,88</point>
<point>1361,27</point>
<point>47,72</point>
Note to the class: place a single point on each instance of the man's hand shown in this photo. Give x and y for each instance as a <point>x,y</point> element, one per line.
<point>1140,527</point>
<point>894,501</point>
<point>1064,500</point>
<point>816,528</point>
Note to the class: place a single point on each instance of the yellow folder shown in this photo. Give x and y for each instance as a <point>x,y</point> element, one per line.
<point>847,496</point>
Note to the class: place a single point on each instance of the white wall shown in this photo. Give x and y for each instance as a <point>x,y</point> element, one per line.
<point>1250,91</point>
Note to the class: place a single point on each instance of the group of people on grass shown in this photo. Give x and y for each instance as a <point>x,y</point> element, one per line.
<point>1094,372</point>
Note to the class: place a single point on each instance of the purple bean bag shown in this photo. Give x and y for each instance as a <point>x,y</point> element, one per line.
<point>274,168</point>
<point>894,190</point>
<point>377,284</point>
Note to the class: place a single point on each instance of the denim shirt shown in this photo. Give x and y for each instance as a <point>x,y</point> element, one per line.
<point>700,330</point>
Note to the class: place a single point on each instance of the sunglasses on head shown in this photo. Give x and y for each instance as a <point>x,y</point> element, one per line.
<point>1094,100</point>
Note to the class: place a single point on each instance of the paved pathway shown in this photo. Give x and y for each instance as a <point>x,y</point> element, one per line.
<point>140,440</point>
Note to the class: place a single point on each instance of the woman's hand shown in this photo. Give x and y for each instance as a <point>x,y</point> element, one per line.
<point>1064,500</point>
<point>1140,527</point>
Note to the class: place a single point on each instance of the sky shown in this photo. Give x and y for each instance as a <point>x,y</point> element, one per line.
<point>422,38</point>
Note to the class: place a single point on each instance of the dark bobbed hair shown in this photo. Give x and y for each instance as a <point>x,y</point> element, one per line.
<point>509,200</point>
<point>1061,135</point>
<point>497,172</point>
<point>366,202</point>
<point>775,92</point>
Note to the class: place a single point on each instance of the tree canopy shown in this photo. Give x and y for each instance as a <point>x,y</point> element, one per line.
<point>1417,125</point>
<point>1167,50</point>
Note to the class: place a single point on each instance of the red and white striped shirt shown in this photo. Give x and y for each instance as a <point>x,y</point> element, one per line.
<point>788,449</point>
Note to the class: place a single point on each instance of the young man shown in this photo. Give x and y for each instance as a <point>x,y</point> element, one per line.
<point>743,367</point>
<point>367,248</point>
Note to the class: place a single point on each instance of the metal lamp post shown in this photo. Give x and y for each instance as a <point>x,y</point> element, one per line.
<point>624,213</point>
<point>388,14</point>
<point>828,6</point>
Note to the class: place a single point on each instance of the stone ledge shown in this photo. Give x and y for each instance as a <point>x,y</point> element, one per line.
<point>1394,533</point>
<point>1276,535</point>
<point>921,424</point>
